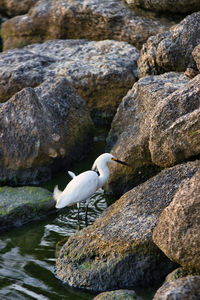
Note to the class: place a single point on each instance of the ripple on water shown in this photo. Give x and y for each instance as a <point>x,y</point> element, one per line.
<point>28,254</point>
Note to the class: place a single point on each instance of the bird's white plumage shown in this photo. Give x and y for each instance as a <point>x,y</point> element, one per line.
<point>84,185</point>
<point>78,189</point>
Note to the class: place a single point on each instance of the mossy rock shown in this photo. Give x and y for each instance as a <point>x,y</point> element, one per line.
<point>118,295</point>
<point>23,204</point>
<point>180,273</point>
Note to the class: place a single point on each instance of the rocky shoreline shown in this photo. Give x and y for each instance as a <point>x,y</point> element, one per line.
<point>68,66</point>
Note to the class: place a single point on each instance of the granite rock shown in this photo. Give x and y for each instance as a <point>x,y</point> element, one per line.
<point>177,233</point>
<point>171,50</point>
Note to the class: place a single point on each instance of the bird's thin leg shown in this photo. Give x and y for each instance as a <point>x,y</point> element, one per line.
<point>86,214</point>
<point>78,206</point>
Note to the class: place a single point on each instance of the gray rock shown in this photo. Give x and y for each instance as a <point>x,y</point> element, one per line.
<point>13,8</point>
<point>91,20</point>
<point>40,130</point>
<point>175,129</point>
<point>130,130</point>
<point>177,233</point>
<point>118,295</point>
<point>179,6</point>
<point>21,205</point>
<point>21,68</point>
<point>187,288</point>
<point>171,50</point>
<point>102,72</point>
<point>117,251</point>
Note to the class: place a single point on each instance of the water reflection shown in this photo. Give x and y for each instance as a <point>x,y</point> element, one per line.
<point>28,254</point>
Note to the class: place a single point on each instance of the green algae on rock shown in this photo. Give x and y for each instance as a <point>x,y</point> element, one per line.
<point>23,204</point>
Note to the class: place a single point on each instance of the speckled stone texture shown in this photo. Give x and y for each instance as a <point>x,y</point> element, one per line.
<point>91,20</point>
<point>178,6</point>
<point>13,8</point>
<point>171,50</point>
<point>177,233</point>
<point>175,127</point>
<point>118,295</point>
<point>42,129</point>
<point>101,72</point>
<point>187,288</point>
<point>196,55</point>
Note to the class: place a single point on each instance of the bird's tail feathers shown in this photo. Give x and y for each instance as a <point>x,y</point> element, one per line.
<point>56,193</point>
<point>71,174</point>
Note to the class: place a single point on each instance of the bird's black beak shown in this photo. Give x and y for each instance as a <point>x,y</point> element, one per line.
<point>120,162</point>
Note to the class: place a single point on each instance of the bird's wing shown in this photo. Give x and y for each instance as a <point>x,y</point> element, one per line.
<point>79,188</point>
<point>71,174</point>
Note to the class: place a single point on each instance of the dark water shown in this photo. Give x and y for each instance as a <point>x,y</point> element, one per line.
<point>28,254</point>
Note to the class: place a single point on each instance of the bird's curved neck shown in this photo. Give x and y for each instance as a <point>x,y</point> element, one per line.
<point>103,175</point>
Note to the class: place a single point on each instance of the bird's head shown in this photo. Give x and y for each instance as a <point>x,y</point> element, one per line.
<point>106,158</point>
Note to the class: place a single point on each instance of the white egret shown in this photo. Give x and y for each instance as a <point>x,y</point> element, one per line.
<point>84,185</point>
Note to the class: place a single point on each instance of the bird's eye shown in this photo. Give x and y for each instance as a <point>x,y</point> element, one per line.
<point>113,158</point>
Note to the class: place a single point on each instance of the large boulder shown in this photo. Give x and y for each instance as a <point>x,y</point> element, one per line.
<point>13,8</point>
<point>117,251</point>
<point>187,288</point>
<point>92,20</point>
<point>102,72</point>
<point>171,50</point>
<point>41,129</point>
<point>179,6</point>
<point>174,132</point>
<point>177,233</point>
<point>130,129</point>
<point>22,205</point>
